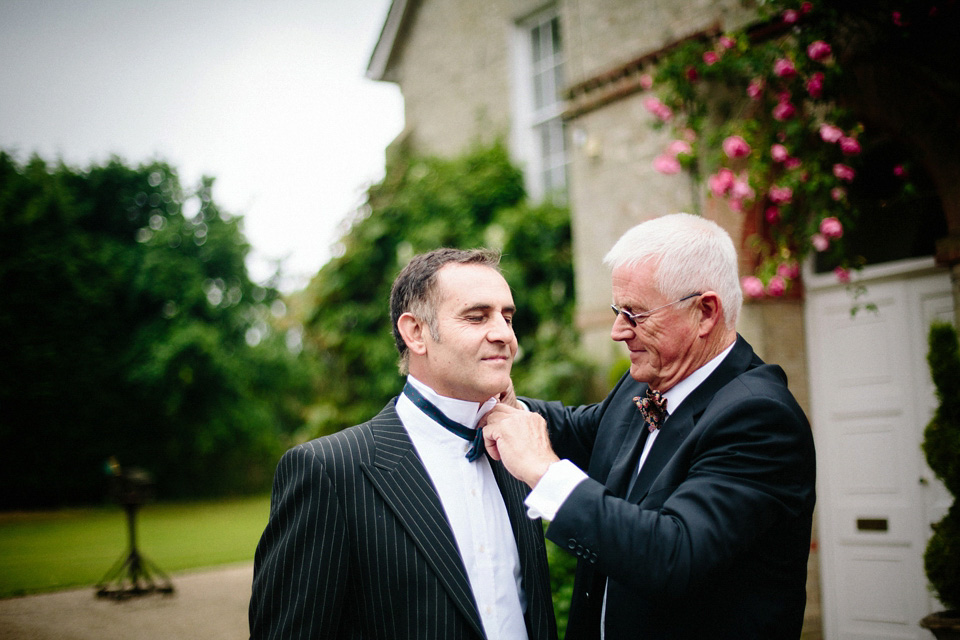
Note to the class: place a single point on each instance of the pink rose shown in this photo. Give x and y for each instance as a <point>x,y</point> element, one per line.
<point>780,195</point>
<point>783,68</point>
<point>819,242</point>
<point>793,163</point>
<point>736,147</point>
<point>710,58</point>
<point>721,182</point>
<point>666,164</point>
<point>657,108</point>
<point>741,190</point>
<point>783,111</point>
<point>849,146</point>
<point>779,153</point>
<point>777,286</point>
<point>843,275</point>
<point>752,286</point>
<point>830,133</point>
<point>843,172</point>
<point>898,19</point>
<point>791,16</point>
<point>679,146</point>
<point>806,7</point>
<point>755,89</point>
<point>900,171</point>
<point>646,81</point>
<point>692,74</point>
<point>815,85</point>
<point>727,42</point>
<point>772,215</point>
<point>788,270</point>
<point>831,228</point>
<point>819,50</point>
<point>838,193</point>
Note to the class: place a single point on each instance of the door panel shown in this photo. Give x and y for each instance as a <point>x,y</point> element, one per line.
<point>871,397</point>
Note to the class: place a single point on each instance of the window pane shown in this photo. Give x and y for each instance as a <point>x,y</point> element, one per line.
<point>539,93</point>
<point>535,44</point>
<point>544,131</point>
<point>546,82</point>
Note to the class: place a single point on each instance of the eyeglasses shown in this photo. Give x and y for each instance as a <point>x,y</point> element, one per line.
<point>637,318</point>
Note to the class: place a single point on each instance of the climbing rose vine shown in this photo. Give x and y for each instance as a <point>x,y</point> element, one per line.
<point>758,115</point>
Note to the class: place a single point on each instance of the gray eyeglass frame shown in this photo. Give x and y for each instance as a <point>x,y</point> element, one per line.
<point>637,318</point>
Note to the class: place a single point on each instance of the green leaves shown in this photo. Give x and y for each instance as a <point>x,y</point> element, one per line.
<point>941,445</point>
<point>127,316</point>
<point>424,203</point>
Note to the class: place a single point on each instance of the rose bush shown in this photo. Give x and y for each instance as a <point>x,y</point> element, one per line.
<point>766,125</point>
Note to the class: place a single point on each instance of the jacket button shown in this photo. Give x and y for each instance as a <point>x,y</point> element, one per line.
<point>571,544</point>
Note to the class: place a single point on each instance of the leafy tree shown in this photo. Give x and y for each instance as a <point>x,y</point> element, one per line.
<point>131,329</point>
<point>424,203</point>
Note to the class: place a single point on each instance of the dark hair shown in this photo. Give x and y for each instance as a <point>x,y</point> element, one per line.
<point>415,289</point>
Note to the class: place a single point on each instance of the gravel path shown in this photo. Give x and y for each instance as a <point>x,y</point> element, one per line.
<point>207,605</point>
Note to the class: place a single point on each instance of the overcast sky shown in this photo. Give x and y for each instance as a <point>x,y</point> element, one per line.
<point>267,96</point>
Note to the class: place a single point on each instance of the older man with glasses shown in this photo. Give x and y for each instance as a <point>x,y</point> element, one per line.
<point>688,493</point>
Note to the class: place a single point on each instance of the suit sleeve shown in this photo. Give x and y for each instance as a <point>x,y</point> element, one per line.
<point>300,567</point>
<point>746,469</point>
<point>573,430</point>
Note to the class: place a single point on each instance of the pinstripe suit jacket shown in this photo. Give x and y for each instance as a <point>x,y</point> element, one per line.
<point>358,546</point>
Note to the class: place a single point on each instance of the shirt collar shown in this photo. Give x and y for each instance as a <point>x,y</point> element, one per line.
<point>685,387</point>
<point>465,412</point>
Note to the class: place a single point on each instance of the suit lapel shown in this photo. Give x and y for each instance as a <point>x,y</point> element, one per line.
<point>625,465</point>
<point>679,424</point>
<point>401,479</point>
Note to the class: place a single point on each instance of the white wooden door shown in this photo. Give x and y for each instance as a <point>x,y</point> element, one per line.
<point>871,398</point>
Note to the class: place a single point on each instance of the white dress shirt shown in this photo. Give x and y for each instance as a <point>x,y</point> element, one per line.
<point>474,507</point>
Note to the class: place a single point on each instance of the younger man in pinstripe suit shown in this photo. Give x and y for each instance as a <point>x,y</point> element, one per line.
<point>400,527</point>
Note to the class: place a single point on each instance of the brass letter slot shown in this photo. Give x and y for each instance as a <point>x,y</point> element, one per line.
<point>871,524</point>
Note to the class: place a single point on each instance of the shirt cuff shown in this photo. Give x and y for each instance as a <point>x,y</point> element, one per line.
<point>556,485</point>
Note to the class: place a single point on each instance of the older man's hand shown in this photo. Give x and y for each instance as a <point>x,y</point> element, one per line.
<point>519,439</point>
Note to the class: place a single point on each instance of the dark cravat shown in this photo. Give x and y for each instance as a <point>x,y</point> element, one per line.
<point>653,408</point>
<point>475,436</point>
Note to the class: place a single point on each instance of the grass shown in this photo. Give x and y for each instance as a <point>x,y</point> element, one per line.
<point>50,550</point>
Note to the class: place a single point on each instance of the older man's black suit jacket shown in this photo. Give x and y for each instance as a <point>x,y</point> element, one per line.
<point>713,539</point>
<point>358,546</point>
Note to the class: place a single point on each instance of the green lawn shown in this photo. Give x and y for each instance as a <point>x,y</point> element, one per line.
<point>45,551</point>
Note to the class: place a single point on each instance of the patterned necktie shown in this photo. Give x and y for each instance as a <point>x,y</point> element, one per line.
<point>653,408</point>
<point>474,436</point>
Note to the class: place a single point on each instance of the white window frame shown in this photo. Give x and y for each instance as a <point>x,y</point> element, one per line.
<point>528,120</point>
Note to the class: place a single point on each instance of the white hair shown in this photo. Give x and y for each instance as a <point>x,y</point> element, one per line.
<point>691,254</point>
